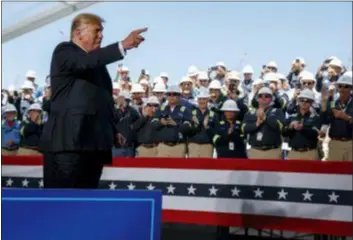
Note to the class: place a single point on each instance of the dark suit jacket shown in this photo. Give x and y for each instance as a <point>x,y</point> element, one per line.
<point>82,108</point>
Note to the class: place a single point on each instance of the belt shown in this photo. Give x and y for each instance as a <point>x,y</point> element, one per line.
<point>265,148</point>
<point>152,145</point>
<point>10,149</point>
<point>170,144</point>
<point>342,139</point>
<point>303,149</point>
<point>30,147</point>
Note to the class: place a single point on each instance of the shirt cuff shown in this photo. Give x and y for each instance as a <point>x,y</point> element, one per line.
<point>122,50</point>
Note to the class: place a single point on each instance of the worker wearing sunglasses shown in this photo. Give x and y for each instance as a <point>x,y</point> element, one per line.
<point>338,114</point>
<point>302,129</point>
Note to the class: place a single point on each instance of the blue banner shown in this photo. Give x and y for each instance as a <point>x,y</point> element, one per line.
<point>81,214</point>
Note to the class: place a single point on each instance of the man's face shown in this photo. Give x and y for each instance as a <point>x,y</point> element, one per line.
<point>305,103</point>
<point>90,36</point>
<point>34,114</point>
<point>229,115</point>
<point>308,84</point>
<point>204,83</point>
<point>220,72</point>
<point>121,101</point>
<point>165,80</point>
<point>10,116</point>
<point>116,91</point>
<point>186,87</point>
<point>247,76</point>
<point>264,99</point>
<point>234,82</point>
<point>173,98</point>
<point>124,75</point>
<point>215,93</point>
<point>337,69</point>
<point>153,108</point>
<point>344,89</point>
<point>271,69</point>
<point>159,95</point>
<point>202,102</point>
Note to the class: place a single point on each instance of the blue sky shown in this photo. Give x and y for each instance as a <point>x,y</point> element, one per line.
<point>185,33</point>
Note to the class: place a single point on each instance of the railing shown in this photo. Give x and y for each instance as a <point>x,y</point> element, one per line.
<point>300,196</point>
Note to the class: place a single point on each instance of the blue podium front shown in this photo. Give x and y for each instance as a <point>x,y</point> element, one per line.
<point>81,214</point>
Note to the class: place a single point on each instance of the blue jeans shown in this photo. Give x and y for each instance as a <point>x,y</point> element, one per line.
<point>123,152</point>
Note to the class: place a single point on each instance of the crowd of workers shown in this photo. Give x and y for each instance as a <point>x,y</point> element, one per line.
<point>214,113</point>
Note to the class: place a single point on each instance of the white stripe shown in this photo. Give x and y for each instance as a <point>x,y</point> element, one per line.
<point>281,209</point>
<point>281,179</point>
<point>22,171</point>
<point>300,180</point>
<point>303,210</point>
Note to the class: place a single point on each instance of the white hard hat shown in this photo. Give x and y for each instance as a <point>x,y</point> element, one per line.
<point>271,77</point>
<point>159,87</point>
<point>124,69</point>
<point>35,106</point>
<point>158,80</point>
<point>152,100</point>
<point>137,88</point>
<point>306,75</point>
<point>272,64</point>
<point>203,76</point>
<point>230,105</point>
<point>332,57</point>
<point>185,79</point>
<point>265,90</point>
<point>335,63</point>
<point>173,89</point>
<point>307,93</point>
<point>11,88</point>
<point>192,71</point>
<point>31,74</point>
<point>345,79</point>
<point>281,76</point>
<point>10,108</point>
<point>116,85</point>
<point>125,94</point>
<point>233,75</point>
<point>248,69</point>
<point>215,84</point>
<point>300,59</point>
<point>163,74</point>
<point>203,93</point>
<point>220,64</point>
<point>147,72</point>
<point>27,85</point>
<point>258,82</point>
<point>144,81</point>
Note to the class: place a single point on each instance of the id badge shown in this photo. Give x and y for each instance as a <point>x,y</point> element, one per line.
<point>231,146</point>
<point>259,136</point>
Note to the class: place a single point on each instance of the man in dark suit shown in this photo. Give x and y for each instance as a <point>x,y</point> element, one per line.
<point>78,137</point>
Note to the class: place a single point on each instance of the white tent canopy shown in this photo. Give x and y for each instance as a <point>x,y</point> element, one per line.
<point>44,17</point>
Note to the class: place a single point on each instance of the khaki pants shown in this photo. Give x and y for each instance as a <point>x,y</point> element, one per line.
<point>266,154</point>
<point>177,151</point>
<point>340,150</point>
<point>27,151</point>
<point>146,151</point>
<point>200,150</point>
<point>8,152</point>
<point>308,155</point>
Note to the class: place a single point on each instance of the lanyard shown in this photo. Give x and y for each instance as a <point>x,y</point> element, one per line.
<point>345,106</point>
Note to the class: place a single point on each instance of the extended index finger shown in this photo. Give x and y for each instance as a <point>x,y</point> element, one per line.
<point>140,30</point>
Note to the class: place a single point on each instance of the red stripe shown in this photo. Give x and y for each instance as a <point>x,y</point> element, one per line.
<point>297,166</point>
<point>334,228</point>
